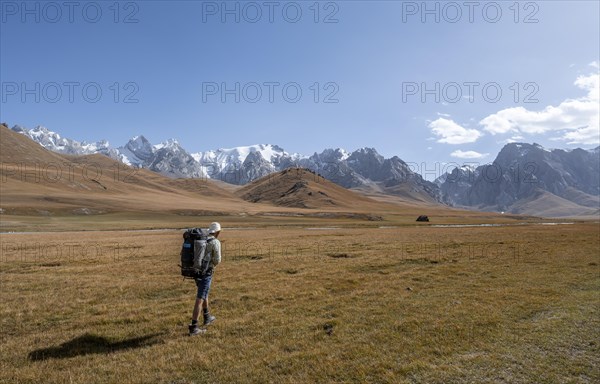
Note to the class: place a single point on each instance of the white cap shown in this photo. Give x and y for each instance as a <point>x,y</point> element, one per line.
<point>214,227</point>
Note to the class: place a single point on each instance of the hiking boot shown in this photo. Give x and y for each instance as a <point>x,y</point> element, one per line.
<point>208,318</point>
<point>194,330</point>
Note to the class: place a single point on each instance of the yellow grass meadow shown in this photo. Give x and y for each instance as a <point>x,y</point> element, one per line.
<point>321,303</point>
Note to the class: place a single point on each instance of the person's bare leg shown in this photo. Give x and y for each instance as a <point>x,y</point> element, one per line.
<point>199,303</point>
<point>194,329</point>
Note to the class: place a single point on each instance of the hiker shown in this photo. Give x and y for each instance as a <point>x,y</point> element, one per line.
<point>213,250</point>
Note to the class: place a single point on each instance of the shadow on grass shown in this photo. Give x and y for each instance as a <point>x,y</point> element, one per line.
<point>89,344</point>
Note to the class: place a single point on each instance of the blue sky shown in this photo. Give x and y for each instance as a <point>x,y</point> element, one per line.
<point>170,69</point>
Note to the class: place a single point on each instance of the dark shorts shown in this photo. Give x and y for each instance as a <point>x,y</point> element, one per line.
<point>203,285</point>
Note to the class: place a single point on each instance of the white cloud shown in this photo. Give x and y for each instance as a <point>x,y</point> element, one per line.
<point>468,154</point>
<point>451,133</point>
<point>577,119</point>
<point>594,64</point>
<point>513,139</point>
<point>443,114</point>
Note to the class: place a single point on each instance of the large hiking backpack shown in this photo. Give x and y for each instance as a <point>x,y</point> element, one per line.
<point>195,261</point>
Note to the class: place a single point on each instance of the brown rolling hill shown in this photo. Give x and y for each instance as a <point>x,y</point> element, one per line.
<point>302,188</point>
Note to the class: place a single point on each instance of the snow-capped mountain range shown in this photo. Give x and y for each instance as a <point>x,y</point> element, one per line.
<point>241,165</point>
<point>522,178</point>
<point>54,142</point>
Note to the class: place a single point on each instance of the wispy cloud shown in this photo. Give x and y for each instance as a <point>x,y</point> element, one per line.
<point>450,132</point>
<point>468,154</point>
<point>513,139</point>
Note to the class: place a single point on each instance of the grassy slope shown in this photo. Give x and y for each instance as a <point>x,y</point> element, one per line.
<point>507,304</point>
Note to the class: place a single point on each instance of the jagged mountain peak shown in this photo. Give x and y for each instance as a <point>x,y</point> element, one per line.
<point>337,153</point>
<point>137,151</point>
<point>39,130</point>
<point>366,162</point>
<point>172,144</point>
<point>139,140</point>
<point>524,147</point>
<point>366,151</point>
